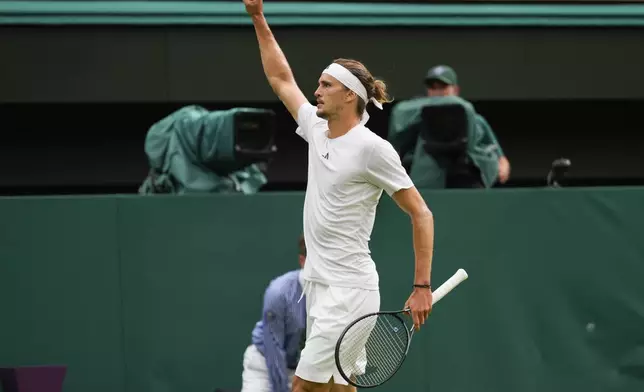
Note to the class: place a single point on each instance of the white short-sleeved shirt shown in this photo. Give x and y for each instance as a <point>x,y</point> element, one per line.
<point>346,177</point>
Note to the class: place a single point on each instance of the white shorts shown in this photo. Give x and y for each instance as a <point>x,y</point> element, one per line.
<point>255,377</point>
<point>329,310</point>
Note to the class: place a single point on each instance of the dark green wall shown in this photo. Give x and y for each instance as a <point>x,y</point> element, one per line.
<point>222,64</point>
<point>60,297</point>
<point>160,294</point>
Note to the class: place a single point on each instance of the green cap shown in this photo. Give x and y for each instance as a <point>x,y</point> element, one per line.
<point>443,73</point>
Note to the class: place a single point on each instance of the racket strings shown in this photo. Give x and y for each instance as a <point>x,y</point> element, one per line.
<point>373,348</point>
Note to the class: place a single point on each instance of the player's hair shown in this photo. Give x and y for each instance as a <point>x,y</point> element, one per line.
<point>376,88</point>
<point>301,246</point>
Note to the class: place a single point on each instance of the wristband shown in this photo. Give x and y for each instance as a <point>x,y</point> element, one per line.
<point>423,286</point>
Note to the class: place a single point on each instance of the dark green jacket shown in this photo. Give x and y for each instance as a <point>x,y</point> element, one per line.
<point>404,134</point>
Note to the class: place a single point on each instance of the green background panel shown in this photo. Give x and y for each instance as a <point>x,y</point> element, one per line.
<point>59,289</point>
<point>554,300</point>
<point>194,271</point>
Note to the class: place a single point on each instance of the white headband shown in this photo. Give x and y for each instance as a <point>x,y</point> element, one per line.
<point>348,79</point>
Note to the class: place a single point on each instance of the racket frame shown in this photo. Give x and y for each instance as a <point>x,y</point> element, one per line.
<point>410,334</point>
<point>449,285</point>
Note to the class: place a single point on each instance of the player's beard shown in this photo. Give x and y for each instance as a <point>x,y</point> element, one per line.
<point>320,112</point>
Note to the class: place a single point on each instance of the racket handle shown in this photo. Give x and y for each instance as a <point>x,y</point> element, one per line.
<point>449,285</point>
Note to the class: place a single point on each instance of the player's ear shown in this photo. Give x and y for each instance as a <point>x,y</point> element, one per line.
<point>350,96</point>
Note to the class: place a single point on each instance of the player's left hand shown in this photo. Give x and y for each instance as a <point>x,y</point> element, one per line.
<point>420,306</point>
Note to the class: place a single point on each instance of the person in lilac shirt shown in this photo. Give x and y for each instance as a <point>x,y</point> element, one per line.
<point>278,338</point>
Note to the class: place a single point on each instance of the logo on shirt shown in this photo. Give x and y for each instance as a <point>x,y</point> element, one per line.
<point>325,156</point>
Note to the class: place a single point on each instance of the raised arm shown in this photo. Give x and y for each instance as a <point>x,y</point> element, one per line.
<point>279,74</point>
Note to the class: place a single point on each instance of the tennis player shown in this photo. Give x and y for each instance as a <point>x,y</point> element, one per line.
<point>277,339</point>
<point>349,167</point>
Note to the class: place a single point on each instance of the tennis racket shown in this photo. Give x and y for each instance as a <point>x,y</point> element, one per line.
<point>372,348</point>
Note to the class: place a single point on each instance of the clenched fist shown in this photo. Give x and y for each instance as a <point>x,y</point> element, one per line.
<point>254,7</point>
